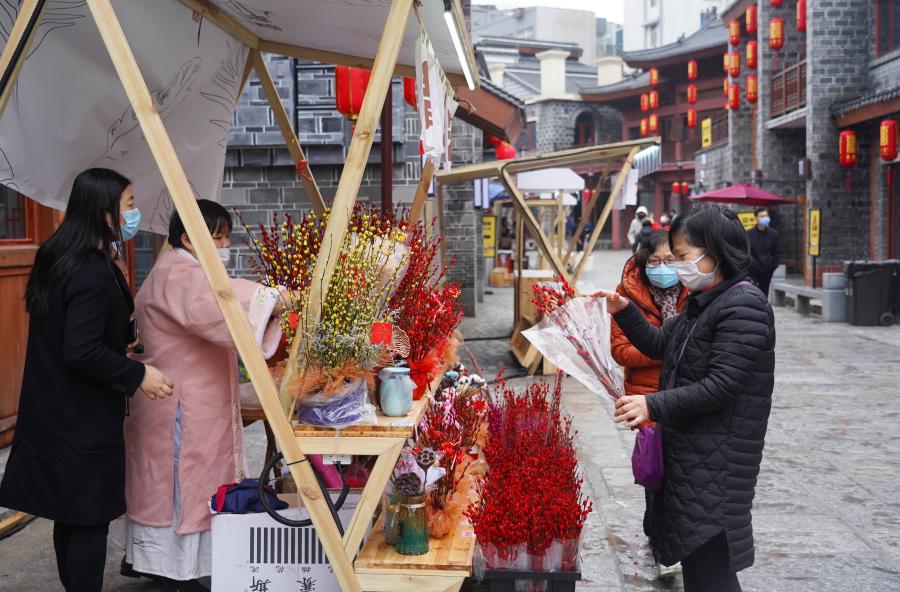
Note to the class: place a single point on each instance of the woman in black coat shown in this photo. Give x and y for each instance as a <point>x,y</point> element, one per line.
<point>67,461</point>
<point>715,405</point>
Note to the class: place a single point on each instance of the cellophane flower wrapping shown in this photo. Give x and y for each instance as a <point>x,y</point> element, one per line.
<point>575,337</point>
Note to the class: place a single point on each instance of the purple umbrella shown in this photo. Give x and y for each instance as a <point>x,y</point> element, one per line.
<point>742,194</point>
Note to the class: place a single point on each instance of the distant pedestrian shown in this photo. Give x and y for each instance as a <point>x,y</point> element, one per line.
<point>639,216</point>
<point>644,235</point>
<point>718,371</point>
<point>763,251</point>
<point>665,222</point>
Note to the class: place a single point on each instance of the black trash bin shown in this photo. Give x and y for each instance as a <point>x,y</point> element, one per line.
<point>873,290</point>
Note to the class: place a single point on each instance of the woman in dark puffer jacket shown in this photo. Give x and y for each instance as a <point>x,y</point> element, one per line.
<point>714,405</point>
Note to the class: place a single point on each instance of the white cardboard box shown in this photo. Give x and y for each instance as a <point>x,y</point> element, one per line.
<point>254,553</point>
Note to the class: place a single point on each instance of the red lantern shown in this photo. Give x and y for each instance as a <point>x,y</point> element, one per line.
<point>752,88</point>
<point>751,54</point>
<point>350,88</point>
<point>692,118</point>
<point>776,34</point>
<point>734,96</point>
<point>692,70</point>
<point>676,188</point>
<point>801,16</point>
<point>493,140</point>
<point>409,91</point>
<point>848,148</point>
<point>645,127</point>
<point>653,123</point>
<point>734,68</point>
<point>776,3</point>
<point>645,103</point>
<point>654,99</point>
<point>751,19</point>
<point>734,32</point>
<point>685,188</point>
<point>888,141</point>
<point>726,62</point>
<point>692,94</point>
<point>654,76</point>
<point>505,151</point>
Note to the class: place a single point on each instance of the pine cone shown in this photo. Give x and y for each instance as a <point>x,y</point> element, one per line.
<point>408,485</point>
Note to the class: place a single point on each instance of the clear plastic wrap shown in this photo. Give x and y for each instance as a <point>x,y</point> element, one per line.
<point>575,337</point>
<point>350,406</point>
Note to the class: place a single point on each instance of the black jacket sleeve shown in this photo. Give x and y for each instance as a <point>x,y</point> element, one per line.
<point>740,334</point>
<point>649,340</point>
<point>87,308</point>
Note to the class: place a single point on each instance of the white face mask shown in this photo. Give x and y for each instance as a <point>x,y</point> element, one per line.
<point>224,254</point>
<point>691,276</point>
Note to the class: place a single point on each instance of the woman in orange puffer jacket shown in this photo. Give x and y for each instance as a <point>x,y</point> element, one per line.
<point>651,283</point>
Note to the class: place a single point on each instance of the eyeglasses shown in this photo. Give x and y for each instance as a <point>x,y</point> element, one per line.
<point>656,261</point>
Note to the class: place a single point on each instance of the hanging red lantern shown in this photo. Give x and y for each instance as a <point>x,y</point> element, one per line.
<point>691,94</point>
<point>654,99</point>
<point>734,32</point>
<point>734,96</point>
<point>493,140</point>
<point>888,142</point>
<point>752,88</point>
<point>776,3</point>
<point>653,123</point>
<point>692,118</point>
<point>726,62</point>
<point>734,68</point>
<point>645,103</point>
<point>776,34</point>
<point>801,16</point>
<point>752,54</point>
<point>654,76</point>
<point>409,91</point>
<point>685,188</point>
<point>692,70</point>
<point>750,19</point>
<point>676,188</point>
<point>848,148</point>
<point>505,151</point>
<point>645,127</point>
<point>350,88</point>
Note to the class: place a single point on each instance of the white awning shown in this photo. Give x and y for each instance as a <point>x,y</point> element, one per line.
<point>558,179</point>
<point>648,160</point>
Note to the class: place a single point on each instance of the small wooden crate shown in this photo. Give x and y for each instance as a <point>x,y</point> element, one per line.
<point>502,278</point>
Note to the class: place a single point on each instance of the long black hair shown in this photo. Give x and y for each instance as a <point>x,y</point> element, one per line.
<point>95,194</point>
<point>719,232</point>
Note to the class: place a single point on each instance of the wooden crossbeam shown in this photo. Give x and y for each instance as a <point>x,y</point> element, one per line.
<point>586,214</point>
<point>595,235</point>
<point>224,21</point>
<point>17,46</point>
<point>287,132</point>
<point>183,197</point>
<point>418,204</point>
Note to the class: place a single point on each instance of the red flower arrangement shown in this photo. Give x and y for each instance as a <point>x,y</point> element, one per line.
<point>547,297</point>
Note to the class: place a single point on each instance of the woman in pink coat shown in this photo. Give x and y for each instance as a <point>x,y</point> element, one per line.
<point>180,450</point>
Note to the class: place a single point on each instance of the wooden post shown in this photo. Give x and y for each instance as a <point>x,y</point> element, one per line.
<point>183,197</point>
<point>439,202</point>
<point>351,177</point>
<point>534,225</point>
<point>418,204</point>
<point>586,214</point>
<point>619,186</point>
<point>17,45</point>
<point>560,224</point>
<point>387,151</point>
<point>248,70</point>
<point>520,258</point>
<point>287,132</point>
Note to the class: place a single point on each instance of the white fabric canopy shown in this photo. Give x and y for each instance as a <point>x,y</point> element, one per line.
<point>550,180</point>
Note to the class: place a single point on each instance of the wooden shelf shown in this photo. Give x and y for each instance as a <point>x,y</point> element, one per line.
<point>384,427</point>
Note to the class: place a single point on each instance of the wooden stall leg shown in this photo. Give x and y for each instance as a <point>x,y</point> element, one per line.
<point>418,204</point>
<point>439,199</point>
<point>183,197</point>
<point>620,185</point>
<point>17,45</point>
<point>586,214</point>
<point>287,132</point>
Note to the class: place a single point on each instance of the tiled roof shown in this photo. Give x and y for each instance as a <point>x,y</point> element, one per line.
<point>500,92</point>
<point>633,83</point>
<point>712,34</point>
<point>851,105</point>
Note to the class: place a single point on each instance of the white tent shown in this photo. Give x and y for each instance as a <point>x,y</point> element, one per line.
<point>556,179</point>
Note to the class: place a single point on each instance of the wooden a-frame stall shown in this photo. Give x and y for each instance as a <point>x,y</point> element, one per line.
<point>445,568</point>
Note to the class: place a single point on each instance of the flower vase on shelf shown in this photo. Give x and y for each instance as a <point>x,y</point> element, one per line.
<point>412,531</point>
<point>396,391</point>
<point>391,522</point>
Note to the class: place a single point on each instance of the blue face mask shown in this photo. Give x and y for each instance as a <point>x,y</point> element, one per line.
<point>663,276</point>
<point>132,222</point>
<point>764,221</point>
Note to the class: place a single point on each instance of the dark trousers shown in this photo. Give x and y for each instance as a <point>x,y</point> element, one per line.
<point>80,555</point>
<point>706,569</point>
<point>763,282</point>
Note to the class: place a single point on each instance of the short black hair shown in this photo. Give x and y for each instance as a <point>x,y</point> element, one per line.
<point>647,247</point>
<point>720,233</point>
<point>758,210</point>
<point>215,215</point>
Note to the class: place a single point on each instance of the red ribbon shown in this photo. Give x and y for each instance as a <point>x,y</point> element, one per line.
<point>423,371</point>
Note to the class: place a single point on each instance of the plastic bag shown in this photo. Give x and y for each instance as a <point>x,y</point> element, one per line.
<point>647,458</point>
<point>350,406</point>
<point>575,337</point>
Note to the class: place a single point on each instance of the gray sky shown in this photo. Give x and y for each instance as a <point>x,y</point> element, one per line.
<point>613,10</point>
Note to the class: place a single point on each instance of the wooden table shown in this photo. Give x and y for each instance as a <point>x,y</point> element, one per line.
<point>378,566</point>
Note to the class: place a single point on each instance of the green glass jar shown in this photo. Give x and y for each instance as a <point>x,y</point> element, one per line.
<point>391,516</point>
<point>412,526</point>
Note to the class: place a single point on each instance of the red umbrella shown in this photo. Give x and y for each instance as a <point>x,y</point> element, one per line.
<point>742,194</point>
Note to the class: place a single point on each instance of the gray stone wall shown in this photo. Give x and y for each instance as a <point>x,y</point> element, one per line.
<point>713,166</point>
<point>885,72</point>
<point>556,123</point>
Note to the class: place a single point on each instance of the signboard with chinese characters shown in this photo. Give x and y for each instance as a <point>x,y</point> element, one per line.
<point>815,231</point>
<point>706,133</point>
<point>748,219</point>
<point>489,234</point>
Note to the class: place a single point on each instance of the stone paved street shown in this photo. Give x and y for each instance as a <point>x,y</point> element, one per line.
<point>827,510</point>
